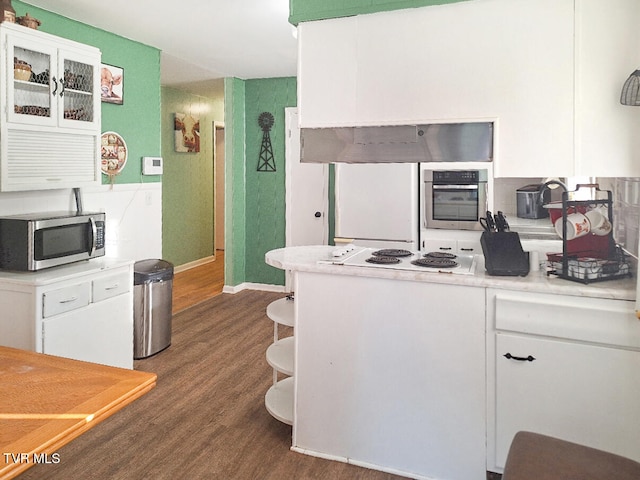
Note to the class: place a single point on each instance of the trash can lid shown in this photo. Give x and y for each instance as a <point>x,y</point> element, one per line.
<point>152,270</point>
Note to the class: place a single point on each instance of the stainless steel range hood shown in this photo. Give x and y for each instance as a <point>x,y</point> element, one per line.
<point>447,142</point>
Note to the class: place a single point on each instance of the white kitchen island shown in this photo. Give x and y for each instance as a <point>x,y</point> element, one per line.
<point>389,374</point>
<point>391,366</point>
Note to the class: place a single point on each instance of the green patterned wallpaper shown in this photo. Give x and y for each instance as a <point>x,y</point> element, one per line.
<point>234,203</point>
<point>138,119</point>
<point>187,186</point>
<point>255,201</point>
<point>265,191</point>
<point>306,10</point>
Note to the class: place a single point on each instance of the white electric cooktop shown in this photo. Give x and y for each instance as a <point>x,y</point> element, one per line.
<point>397,259</point>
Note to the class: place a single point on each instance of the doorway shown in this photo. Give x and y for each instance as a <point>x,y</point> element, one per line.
<point>218,187</point>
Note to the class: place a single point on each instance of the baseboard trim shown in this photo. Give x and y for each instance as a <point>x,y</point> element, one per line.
<point>194,264</point>
<point>264,287</point>
<point>358,463</point>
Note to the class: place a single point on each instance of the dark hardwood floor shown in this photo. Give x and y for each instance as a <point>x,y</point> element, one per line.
<point>206,417</point>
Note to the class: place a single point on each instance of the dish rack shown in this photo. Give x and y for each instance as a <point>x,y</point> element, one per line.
<point>589,258</point>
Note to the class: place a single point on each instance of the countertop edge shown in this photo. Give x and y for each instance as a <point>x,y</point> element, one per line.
<point>63,272</point>
<point>305,259</point>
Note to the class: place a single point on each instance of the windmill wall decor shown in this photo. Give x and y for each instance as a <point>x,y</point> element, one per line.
<point>266,162</point>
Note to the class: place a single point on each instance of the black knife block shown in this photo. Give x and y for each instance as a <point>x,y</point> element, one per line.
<point>503,254</point>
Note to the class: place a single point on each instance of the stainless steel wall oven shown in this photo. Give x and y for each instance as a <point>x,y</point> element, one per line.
<point>454,199</point>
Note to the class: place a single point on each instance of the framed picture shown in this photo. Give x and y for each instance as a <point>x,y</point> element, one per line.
<point>111,84</point>
<point>187,132</point>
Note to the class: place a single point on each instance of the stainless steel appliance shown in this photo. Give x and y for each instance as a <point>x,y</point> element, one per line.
<point>530,200</point>
<point>400,259</point>
<point>445,142</point>
<point>41,240</point>
<point>454,199</point>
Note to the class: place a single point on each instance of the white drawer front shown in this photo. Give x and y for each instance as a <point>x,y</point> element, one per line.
<point>111,286</point>
<point>610,322</point>
<point>469,247</point>
<point>447,246</point>
<point>66,299</point>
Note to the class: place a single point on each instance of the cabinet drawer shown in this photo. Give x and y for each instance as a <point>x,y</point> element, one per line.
<point>469,247</point>
<point>111,286</point>
<point>597,320</point>
<point>65,299</point>
<point>447,246</point>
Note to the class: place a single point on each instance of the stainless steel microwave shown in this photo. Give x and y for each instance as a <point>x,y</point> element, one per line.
<point>41,240</point>
<point>454,199</point>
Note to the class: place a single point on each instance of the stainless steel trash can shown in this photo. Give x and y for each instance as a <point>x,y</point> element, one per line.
<point>152,291</point>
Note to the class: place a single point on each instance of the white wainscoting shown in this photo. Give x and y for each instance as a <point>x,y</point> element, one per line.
<point>133,212</point>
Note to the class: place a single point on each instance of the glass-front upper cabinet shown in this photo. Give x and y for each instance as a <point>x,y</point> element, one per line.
<point>51,85</point>
<point>49,111</point>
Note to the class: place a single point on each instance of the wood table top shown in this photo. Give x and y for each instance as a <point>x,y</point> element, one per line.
<point>47,401</point>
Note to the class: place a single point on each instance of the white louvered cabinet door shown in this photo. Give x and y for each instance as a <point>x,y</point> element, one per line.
<point>50,122</point>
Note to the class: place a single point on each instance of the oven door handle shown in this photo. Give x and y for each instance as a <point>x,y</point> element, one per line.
<point>455,187</point>
<point>94,236</point>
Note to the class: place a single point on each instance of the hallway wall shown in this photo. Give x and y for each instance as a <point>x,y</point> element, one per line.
<point>188,179</point>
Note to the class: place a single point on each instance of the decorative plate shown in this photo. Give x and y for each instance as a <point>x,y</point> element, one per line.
<point>114,153</point>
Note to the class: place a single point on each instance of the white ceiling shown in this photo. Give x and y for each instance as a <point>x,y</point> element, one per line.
<point>200,40</point>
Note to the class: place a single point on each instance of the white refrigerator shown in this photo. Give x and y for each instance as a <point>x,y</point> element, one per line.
<point>376,205</point>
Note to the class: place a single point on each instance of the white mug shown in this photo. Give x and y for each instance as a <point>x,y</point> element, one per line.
<point>577,226</point>
<point>599,223</point>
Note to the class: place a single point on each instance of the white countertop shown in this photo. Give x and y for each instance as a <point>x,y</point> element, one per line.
<point>62,272</point>
<point>305,259</point>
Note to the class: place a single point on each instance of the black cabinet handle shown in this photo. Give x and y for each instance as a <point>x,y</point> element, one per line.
<point>520,359</point>
<point>445,248</point>
<point>317,214</point>
<point>55,85</point>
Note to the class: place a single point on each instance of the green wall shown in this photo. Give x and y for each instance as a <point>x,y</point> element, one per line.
<point>138,119</point>
<point>255,200</point>
<point>265,191</point>
<point>187,187</point>
<point>306,10</point>
<point>234,203</point>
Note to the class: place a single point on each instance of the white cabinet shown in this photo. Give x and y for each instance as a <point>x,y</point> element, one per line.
<point>547,72</point>
<point>456,247</point>
<point>466,242</point>
<point>607,39</point>
<point>50,116</point>
<point>563,366</point>
<point>462,62</point>
<point>85,314</point>
<point>327,72</point>
<point>391,374</point>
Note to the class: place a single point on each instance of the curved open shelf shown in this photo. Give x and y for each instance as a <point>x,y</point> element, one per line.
<point>279,401</point>
<point>280,355</point>
<point>282,311</point>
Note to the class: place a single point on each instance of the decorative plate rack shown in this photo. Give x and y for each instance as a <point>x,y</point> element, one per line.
<point>114,154</point>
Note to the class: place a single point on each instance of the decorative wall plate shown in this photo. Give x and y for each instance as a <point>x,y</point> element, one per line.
<point>114,153</point>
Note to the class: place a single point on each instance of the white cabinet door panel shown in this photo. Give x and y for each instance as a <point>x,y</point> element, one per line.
<point>327,72</point>
<point>582,393</point>
<point>402,385</point>
<point>100,333</point>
